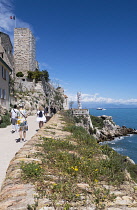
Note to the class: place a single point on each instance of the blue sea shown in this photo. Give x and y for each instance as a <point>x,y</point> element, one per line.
<point>128,117</point>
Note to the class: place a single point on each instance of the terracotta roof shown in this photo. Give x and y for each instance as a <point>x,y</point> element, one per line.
<point>65,96</point>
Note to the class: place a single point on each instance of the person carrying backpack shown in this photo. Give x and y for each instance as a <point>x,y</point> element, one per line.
<point>41,116</point>
<point>14,116</point>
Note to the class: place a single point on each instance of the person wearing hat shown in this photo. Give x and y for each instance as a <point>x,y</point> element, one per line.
<point>22,122</point>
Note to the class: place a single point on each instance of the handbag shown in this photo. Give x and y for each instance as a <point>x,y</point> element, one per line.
<point>18,121</point>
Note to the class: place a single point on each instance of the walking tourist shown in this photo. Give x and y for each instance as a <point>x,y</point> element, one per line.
<point>41,116</point>
<point>22,122</point>
<point>14,115</point>
<point>46,110</point>
<point>54,110</point>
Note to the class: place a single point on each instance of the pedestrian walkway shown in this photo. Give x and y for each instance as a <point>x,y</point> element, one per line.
<point>9,144</point>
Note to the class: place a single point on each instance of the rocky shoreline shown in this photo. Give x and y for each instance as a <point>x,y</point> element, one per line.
<point>110,130</point>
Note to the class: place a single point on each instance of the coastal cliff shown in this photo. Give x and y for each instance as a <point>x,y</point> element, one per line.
<point>63,167</point>
<point>105,129</point>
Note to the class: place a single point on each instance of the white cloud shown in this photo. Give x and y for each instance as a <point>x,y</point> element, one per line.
<point>43,65</point>
<point>98,99</point>
<point>6,10</point>
<point>7,25</point>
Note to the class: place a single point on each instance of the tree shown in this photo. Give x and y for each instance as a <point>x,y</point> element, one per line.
<point>30,74</point>
<point>19,74</point>
<point>45,74</point>
<point>37,75</point>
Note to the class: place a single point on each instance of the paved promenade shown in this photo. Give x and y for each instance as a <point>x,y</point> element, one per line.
<point>9,144</point>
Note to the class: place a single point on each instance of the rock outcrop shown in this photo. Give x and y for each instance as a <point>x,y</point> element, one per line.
<point>34,95</point>
<point>110,130</point>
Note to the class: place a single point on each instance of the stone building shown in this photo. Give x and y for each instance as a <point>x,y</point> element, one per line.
<point>24,50</point>
<point>6,50</point>
<point>85,113</point>
<point>65,98</point>
<point>5,71</point>
<point>6,68</point>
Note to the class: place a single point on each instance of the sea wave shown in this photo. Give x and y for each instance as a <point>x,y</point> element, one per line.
<point>113,141</point>
<point>119,149</point>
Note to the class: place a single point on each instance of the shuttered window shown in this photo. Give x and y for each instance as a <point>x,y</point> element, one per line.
<point>2,93</point>
<point>3,73</point>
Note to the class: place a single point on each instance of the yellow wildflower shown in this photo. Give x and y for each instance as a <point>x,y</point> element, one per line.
<point>76,168</point>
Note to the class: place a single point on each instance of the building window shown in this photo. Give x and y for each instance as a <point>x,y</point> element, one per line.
<point>3,73</point>
<point>1,54</point>
<point>3,93</point>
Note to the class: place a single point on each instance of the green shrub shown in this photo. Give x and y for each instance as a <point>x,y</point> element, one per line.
<point>77,119</point>
<point>132,169</point>
<point>31,170</point>
<point>5,120</point>
<point>19,74</point>
<point>30,75</point>
<point>97,122</point>
<point>76,159</point>
<point>38,74</point>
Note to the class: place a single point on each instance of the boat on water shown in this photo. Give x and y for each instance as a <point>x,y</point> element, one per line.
<point>100,109</point>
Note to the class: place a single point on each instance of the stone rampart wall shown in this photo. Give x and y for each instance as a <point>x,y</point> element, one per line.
<point>14,195</point>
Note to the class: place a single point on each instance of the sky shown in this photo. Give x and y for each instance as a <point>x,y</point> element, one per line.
<point>87,46</point>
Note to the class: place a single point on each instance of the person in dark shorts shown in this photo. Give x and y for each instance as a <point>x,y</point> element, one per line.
<point>14,116</point>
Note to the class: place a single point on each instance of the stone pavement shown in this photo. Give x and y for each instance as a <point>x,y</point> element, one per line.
<point>9,144</point>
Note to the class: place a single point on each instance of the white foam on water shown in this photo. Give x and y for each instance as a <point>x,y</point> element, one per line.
<point>116,140</point>
<point>113,141</point>
<point>129,141</point>
<point>118,149</point>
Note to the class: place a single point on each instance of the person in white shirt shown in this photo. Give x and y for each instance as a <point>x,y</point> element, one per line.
<point>14,116</point>
<point>41,116</point>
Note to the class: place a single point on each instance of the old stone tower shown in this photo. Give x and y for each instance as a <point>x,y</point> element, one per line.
<point>24,50</point>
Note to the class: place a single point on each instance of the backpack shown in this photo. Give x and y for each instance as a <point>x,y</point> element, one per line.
<point>40,114</point>
<point>16,113</point>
